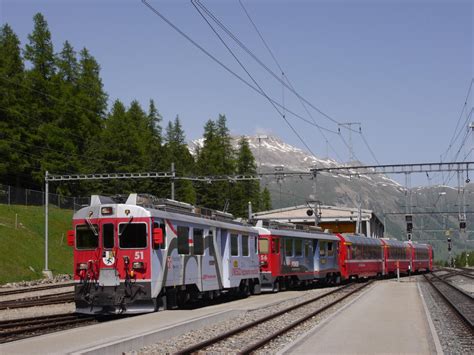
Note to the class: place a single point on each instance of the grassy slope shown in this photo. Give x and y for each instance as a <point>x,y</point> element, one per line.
<point>23,248</point>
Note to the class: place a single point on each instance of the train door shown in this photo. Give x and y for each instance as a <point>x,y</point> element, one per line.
<point>109,275</point>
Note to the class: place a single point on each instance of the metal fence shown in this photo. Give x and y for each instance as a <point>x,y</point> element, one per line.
<point>10,195</point>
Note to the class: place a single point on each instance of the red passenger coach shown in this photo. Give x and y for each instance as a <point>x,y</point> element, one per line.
<point>360,256</point>
<point>397,254</point>
<point>421,256</point>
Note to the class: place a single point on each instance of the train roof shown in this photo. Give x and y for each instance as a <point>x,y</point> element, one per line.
<point>137,206</point>
<point>360,239</point>
<point>393,242</point>
<point>295,233</point>
<point>416,245</point>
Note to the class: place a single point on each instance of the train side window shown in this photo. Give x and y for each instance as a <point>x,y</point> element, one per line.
<point>322,248</point>
<point>275,246</point>
<point>263,246</point>
<point>183,240</point>
<point>306,248</point>
<point>162,226</point>
<point>234,245</point>
<point>288,247</point>
<point>355,252</point>
<point>210,238</point>
<point>330,249</point>
<point>108,236</point>
<point>198,241</point>
<point>86,238</point>
<point>298,247</point>
<point>245,245</point>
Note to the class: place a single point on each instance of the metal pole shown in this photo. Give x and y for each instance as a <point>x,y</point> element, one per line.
<point>9,194</point>
<point>172,181</point>
<point>46,271</point>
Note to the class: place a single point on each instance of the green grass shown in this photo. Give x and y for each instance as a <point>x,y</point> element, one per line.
<point>22,247</point>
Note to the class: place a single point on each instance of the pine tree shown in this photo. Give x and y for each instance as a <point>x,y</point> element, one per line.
<point>176,151</point>
<point>245,191</point>
<point>91,96</point>
<point>216,157</point>
<point>41,96</point>
<point>266,200</point>
<point>39,51</point>
<point>14,158</point>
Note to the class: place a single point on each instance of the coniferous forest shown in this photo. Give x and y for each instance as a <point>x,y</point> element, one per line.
<point>55,116</point>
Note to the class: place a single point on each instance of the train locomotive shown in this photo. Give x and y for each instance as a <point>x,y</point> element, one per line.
<point>139,254</point>
<point>143,254</point>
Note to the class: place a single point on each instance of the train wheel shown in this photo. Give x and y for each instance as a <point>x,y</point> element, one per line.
<point>276,286</point>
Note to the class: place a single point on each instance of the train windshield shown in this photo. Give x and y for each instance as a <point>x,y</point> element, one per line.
<point>85,237</point>
<point>132,235</point>
<point>263,246</point>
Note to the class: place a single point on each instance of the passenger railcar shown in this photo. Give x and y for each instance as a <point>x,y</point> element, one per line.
<point>421,257</point>
<point>143,254</point>
<point>397,255</point>
<point>360,256</point>
<point>290,257</point>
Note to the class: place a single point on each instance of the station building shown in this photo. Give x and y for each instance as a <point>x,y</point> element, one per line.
<point>335,219</point>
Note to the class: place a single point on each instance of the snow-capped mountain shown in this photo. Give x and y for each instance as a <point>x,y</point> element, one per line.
<point>378,192</point>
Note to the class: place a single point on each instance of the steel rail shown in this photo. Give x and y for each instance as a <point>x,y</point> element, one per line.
<point>40,301</point>
<point>276,334</point>
<point>34,289</point>
<point>206,343</point>
<point>451,304</point>
<point>452,286</point>
<point>24,330</point>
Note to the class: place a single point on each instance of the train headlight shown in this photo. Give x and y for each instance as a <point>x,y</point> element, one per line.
<point>105,211</point>
<point>138,265</point>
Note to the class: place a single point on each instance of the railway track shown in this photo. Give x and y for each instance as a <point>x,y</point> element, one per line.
<point>460,301</point>
<point>456,272</point>
<point>33,301</point>
<point>34,289</point>
<point>15,329</point>
<point>268,328</point>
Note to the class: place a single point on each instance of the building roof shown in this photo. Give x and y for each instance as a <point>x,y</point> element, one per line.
<point>328,214</point>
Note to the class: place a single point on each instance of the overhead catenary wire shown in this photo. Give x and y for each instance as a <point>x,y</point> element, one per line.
<point>252,78</point>
<point>452,140</point>
<point>260,62</point>
<point>285,76</point>
<point>237,76</point>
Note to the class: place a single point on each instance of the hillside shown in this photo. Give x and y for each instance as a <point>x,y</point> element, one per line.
<point>23,247</point>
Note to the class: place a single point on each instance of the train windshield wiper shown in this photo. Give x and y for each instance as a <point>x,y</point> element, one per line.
<point>91,227</point>
<point>125,227</point>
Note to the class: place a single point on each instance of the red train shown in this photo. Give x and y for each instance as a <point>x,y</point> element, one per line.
<point>141,254</point>
<point>367,257</point>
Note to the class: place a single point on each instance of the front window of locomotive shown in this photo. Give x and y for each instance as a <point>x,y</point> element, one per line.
<point>87,237</point>
<point>133,235</point>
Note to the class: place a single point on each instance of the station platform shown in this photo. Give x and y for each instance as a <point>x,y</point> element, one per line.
<point>390,318</point>
<point>132,333</point>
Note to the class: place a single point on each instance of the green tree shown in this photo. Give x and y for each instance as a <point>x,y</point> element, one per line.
<point>176,151</point>
<point>216,157</point>
<point>42,91</point>
<point>14,158</point>
<point>266,200</point>
<point>121,145</point>
<point>245,191</point>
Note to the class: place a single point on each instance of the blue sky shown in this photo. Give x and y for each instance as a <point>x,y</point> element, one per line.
<point>401,68</point>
